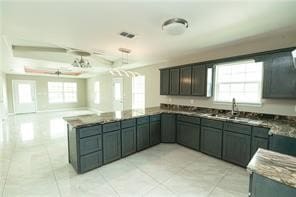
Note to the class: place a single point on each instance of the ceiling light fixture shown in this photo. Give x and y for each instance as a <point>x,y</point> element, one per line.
<point>175,26</point>
<point>124,60</point>
<point>81,63</point>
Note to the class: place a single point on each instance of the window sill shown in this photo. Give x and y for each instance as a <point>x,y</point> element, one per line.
<point>239,104</point>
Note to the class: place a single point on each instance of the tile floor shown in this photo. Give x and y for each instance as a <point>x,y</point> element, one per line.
<point>33,162</point>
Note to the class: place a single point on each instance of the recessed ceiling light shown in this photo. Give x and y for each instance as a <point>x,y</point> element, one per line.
<point>175,26</point>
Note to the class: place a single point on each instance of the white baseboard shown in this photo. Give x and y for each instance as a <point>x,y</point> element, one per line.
<point>55,110</point>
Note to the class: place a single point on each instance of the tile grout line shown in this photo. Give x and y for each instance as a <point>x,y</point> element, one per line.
<point>9,165</point>
<point>109,183</point>
<point>226,173</point>
<point>181,169</point>
<point>53,172</point>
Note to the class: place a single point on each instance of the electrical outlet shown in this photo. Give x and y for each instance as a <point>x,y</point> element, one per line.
<point>170,100</point>
<point>191,101</point>
<point>295,108</point>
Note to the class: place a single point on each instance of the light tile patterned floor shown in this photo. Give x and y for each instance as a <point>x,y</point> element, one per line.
<point>33,162</point>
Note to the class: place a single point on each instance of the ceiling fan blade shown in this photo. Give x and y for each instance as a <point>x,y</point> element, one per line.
<point>39,49</point>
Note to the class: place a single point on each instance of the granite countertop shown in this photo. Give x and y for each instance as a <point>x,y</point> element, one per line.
<point>278,127</point>
<point>275,166</point>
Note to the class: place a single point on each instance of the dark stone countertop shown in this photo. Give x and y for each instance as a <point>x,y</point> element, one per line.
<point>278,127</point>
<point>275,166</point>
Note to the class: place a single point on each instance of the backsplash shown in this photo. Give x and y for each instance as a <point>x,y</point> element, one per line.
<point>252,115</point>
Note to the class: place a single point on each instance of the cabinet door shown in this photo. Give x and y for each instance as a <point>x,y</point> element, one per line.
<point>188,135</point>
<point>111,146</point>
<point>154,133</point>
<point>279,69</point>
<point>236,148</point>
<point>174,81</point>
<point>185,81</point>
<point>199,80</point>
<point>258,142</point>
<point>128,141</point>
<point>164,82</point>
<point>283,144</point>
<point>143,136</point>
<point>168,128</point>
<point>211,141</point>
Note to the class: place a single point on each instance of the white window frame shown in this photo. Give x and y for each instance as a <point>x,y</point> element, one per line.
<point>136,92</point>
<point>97,95</point>
<point>259,82</point>
<point>63,92</point>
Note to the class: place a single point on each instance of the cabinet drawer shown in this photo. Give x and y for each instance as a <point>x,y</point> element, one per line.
<point>89,131</point>
<point>260,132</point>
<point>90,161</point>
<point>143,120</point>
<point>128,123</point>
<point>238,128</point>
<point>212,123</point>
<point>90,144</point>
<point>111,126</point>
<point>190,119</point>
<point>155,118</point>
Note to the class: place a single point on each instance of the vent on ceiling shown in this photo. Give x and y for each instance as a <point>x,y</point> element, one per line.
<point>127,35</point>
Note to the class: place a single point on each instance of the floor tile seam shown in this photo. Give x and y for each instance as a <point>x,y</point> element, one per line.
<point>218,182</point>
<point>6,175</point>
<point>53,172</point>
<point>159,182</point>
<point>109,184</point>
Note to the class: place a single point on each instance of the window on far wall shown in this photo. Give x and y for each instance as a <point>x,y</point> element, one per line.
<point>97,92</point>
<point>239,80</point>
<point>62,92</point>
<point>138,92</point>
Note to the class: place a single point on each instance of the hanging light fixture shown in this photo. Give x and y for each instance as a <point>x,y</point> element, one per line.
<point>81,63</point>
<point>124,60</point>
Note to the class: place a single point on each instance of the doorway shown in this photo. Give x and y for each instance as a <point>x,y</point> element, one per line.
<point>24,96</point>
<point>118,94</point>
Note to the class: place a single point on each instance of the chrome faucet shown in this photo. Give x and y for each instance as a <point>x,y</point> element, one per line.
<point>234,110</point>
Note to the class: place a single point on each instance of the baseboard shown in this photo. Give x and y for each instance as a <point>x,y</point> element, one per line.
<point>63,109</point>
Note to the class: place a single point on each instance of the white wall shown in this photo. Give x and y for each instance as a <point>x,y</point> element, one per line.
<point>42,92</point>
<point>275,40</point>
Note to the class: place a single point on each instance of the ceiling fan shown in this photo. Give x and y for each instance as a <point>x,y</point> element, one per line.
<point>51,71</point>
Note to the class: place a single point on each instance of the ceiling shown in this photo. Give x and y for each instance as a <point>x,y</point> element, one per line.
<point>95,26</point>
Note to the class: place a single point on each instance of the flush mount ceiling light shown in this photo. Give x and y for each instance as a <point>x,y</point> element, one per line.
<point>175,26</point>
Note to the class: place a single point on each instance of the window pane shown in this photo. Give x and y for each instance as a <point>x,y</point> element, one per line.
<point>117,91</point>
<point>24,93</point>
<point>138,92</point>
<point>241,81</point>
<point>97,92</point>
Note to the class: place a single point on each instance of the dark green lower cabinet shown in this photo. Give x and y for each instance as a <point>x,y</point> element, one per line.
<point>154,133</point>
<point>211,141</point>
<point>258,142</point>
<point>168,128</point>
<point>111,146</point>
<point>283,144</point>
<point>188,134</point>
<point>128,141</point>
<point>90,161</point>
<point>143,135</point>
<point>263,187</point>
<point>236,148</point>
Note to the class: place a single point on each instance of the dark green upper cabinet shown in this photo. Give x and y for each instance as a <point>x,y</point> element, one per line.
<point>175,81</point>
<point>164,82</point>
<point>279,76</point>
<point>185,81</point>
<point>199,80</point>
